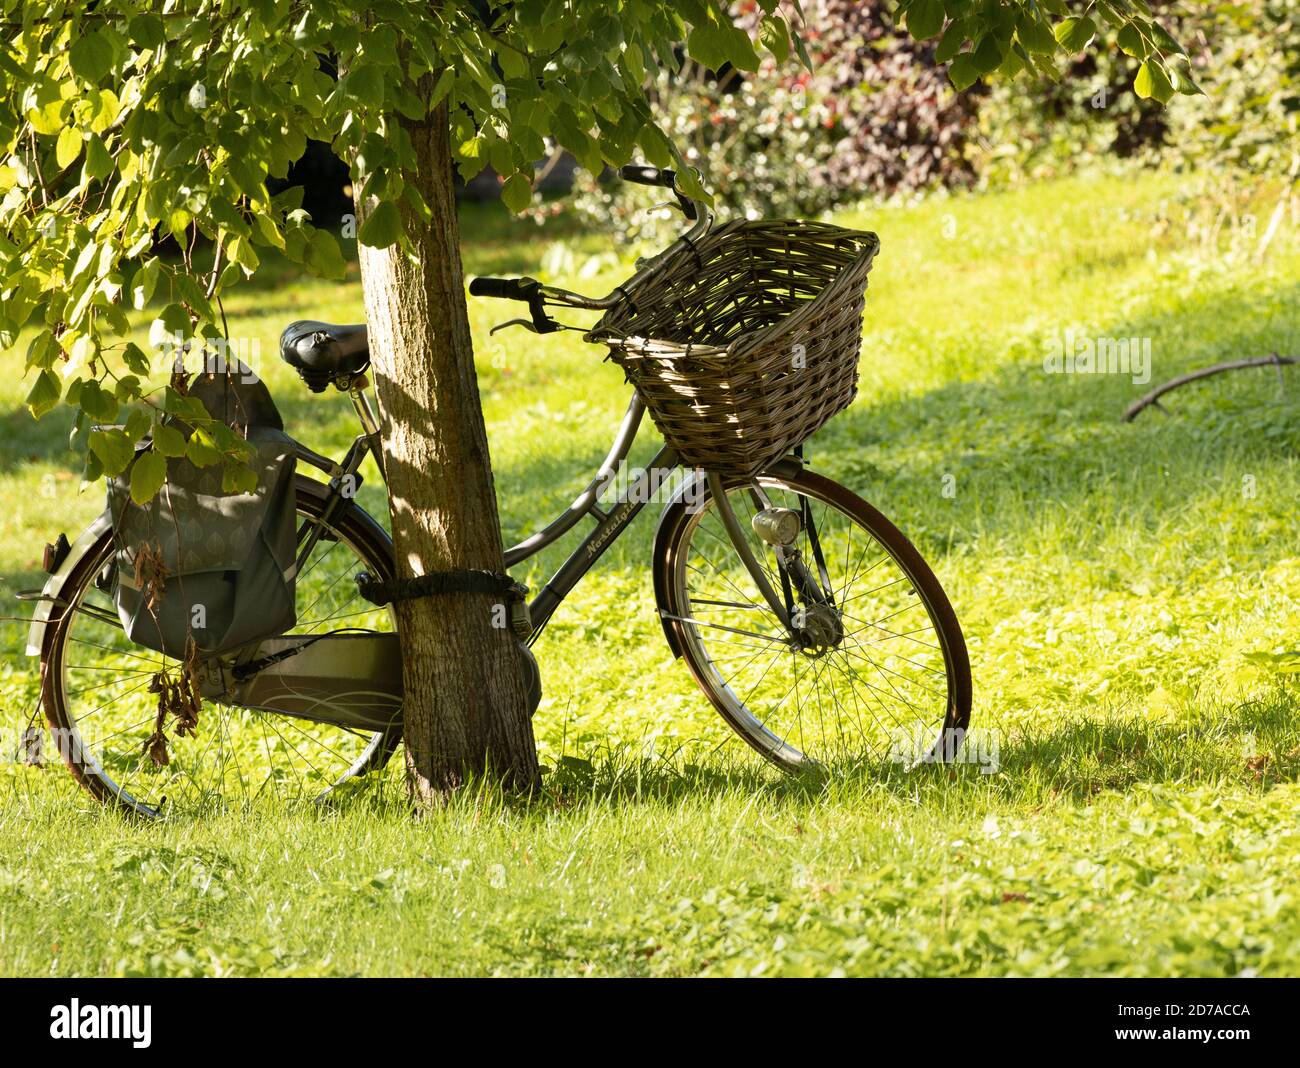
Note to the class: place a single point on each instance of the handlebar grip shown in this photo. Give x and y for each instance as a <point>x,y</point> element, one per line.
<point>646,175</point>
<point>505,288</point>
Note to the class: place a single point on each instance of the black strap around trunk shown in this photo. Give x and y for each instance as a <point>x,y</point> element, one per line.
<point>438,582</point>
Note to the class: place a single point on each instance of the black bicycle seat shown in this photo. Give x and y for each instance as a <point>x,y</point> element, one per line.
<point>321,352</point>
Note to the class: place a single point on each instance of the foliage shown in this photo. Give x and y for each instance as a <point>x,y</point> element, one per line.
<point>1249,53</point>
<point>1090,114</point>
<point>1246,53</point>
<point>981,40</point>
<point>121,125</point>
<point>874,115</point>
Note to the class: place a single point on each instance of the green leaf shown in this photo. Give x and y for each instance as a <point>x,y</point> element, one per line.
<point>1034,35</point>
<point>1152,81</point>
<point>517,192</point>
<point>183,406</point>
<point>202,450</point>
<point>707,45</point>
<point>93,470</point>
<point>1130,41</point>
<point>1075,33</point>
<point>135,359</point>
<point>171,326</point>
<point>924,18</point>
<point>68,147</point>
<point>269,231</point>
<point>148,474</point>
<point>383,226</point>
<point>441,87</point>
<point>987,56</point>
<point>952,40</point>
<point>107,106</point>
<point>365,84</point>
<point>99,164</point>
<point>91,56</point>
<point>240,251</point>
<point>962,72</point>
<point>324,255</point>
<point>774,35</point>
<point>142,285</point>
<point>1180,73</point>
<point>113,449</point>
<point>1166,41</point>
<point>137,424</point>
<point>96,402</point>
<point>168,440</point>
<point>236,478</point>
<point>801,50</point>
<point>146,30</point>
<point>47,120</point>
<point>44,394</point>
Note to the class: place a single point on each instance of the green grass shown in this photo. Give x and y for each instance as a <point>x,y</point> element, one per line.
<point>1113,581</point>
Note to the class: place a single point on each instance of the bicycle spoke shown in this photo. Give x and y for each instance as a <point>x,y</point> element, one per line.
<point>104,682</point>
<point>848,677</point>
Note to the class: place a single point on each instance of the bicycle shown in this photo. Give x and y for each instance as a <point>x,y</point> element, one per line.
<point>754,577</point>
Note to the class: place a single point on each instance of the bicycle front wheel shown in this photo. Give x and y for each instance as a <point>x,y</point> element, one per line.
<point>873,665</point>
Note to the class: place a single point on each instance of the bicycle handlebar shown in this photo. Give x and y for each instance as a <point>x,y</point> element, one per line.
<point>643,174</point>
<point>537,295</point>
<point>646,175</point>
<point>504,288</point>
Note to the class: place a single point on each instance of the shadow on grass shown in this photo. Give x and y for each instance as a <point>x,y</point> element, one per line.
<point>1247,746</point>
<point>1035,443</point>
<point>1251,745</point>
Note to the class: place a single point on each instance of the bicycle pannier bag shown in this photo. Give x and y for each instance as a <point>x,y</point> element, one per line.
<point>199,564</point>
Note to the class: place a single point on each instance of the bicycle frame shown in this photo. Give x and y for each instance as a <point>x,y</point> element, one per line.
<point>345,478</point>
<point>609,525</point>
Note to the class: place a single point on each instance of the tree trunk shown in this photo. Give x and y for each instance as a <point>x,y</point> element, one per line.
<point>466,712</point>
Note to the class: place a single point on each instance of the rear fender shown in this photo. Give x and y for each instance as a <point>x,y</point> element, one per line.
<point>45,605</point>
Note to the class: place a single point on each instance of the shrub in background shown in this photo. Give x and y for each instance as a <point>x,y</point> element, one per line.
<point>875,115</point>
<point>1243,53</point>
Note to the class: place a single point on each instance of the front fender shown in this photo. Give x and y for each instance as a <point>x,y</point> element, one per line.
<point>41,618</point>
<point>668,532</point>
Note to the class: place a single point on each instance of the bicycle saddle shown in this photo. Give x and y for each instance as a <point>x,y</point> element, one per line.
<point>321,352</point>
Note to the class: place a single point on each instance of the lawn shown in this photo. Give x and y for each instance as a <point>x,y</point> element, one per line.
<point>1127,593</point>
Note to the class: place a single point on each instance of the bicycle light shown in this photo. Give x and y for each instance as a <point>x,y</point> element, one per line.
<point>777,526</point>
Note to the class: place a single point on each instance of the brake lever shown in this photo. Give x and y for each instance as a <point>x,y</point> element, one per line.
<point>514,322</point>
<point>542,323</point>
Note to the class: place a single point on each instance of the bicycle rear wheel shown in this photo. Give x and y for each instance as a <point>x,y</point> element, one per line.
<point>876,666</point>
<point>98,689</point>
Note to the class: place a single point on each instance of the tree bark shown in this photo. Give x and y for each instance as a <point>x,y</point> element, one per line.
<point>466,713</point>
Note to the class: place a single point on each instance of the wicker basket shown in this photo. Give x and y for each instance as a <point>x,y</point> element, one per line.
<point>747,343</point>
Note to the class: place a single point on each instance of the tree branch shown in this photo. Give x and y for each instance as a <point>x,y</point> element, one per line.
<point>1153,398</point>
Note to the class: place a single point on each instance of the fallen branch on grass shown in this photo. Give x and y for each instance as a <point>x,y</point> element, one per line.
<point>1153,398</point>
